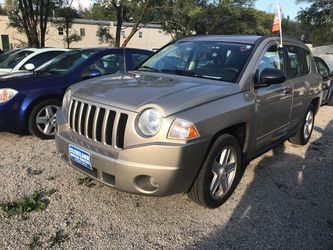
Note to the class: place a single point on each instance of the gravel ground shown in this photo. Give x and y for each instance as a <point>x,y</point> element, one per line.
<point>284,201</point>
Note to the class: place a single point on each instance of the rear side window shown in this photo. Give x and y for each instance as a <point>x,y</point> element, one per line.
<point>294,61</point>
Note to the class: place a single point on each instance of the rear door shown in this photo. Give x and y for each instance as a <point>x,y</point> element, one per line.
<point>273,102</point>
<point>299,65</point>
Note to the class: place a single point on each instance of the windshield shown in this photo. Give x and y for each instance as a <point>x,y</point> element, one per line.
<point>205,59</point>
<point>66,61</point>
<point>12,60</point>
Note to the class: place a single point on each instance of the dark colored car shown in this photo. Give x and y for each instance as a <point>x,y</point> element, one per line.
<point>191,117</point>
<point>327,75</point>
<point>30,101</point>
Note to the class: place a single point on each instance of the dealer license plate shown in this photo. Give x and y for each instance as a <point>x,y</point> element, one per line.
<point>80,156</point>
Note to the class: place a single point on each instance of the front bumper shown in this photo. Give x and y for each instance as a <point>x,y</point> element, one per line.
<point>173,167</point>
<point>11,116</point>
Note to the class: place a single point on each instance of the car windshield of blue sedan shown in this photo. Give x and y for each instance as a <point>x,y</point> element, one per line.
<point>205,59</point>
<point>11,61</point>
<point>66,61</point>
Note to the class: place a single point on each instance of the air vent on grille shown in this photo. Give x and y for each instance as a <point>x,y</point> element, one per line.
<point>97,123</point>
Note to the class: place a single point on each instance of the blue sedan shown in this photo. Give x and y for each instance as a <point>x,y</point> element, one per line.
<point>30,101</point>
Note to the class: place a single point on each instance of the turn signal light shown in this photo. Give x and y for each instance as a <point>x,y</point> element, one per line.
<point>182,130</point>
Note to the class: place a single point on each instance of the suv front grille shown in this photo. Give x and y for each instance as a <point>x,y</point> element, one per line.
<point>97,123</point>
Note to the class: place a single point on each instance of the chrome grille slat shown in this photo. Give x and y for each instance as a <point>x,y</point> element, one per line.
<point>114,130</point>
<point>97,123</point>
<point>80,117</point>
<point>73,118</point>
<point>106,117</point>
<point>94,124</point>
<point>86,123</point>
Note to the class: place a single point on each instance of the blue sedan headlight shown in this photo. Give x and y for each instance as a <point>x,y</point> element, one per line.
<point>7,94</point>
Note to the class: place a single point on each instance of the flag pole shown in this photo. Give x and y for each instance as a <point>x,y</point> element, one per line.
<point>280,21</point>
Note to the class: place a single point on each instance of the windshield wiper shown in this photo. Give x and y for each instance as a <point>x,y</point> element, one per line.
<point>182,72</point>
<point>147,68</point>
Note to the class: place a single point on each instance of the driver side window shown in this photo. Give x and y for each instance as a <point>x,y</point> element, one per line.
<point>273,59</point>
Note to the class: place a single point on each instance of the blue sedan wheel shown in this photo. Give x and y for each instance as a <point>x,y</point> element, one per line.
<point>42,119</point>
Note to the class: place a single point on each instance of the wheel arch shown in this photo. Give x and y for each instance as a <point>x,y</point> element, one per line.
<point>34,102</point>
<point>239,130</point>
<point>316,103</point>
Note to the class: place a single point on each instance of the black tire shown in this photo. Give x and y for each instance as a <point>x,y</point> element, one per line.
<point>300,138</point>
<point>201,192</point>
<point>33,127</point>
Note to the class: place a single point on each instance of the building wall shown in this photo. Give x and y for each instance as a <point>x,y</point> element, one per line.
<point>325,52</point>
<point>153,37</point>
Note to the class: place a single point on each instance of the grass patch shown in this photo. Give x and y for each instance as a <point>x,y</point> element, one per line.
<point>35,202</point>
<point>80,224</point>
<point>32,172</point>
<point>84,181</point>
<point>35,242</point>
<point>50,178</point>
<point>58,238</point>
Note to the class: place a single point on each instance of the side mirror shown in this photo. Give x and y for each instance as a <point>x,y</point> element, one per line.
<point>272,76</point>
<point>91,73</point>
<point>29,67</point>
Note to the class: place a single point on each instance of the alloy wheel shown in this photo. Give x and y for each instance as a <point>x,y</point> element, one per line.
<point>223,172</point>
<point>46,120</point>
<point>308,125</point>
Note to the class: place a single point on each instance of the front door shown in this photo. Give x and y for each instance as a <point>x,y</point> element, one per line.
<point>274,102</point>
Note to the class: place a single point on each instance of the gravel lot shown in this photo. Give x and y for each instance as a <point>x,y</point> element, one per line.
<point>285,201</point>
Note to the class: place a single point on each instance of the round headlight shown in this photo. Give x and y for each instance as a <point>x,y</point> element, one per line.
<point>149,122</point>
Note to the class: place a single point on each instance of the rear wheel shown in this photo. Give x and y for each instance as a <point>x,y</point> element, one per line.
<point>220,173</point>
<point>305,129</point>
<point>43,117</point>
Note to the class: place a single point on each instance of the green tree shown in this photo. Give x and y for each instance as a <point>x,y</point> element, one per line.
<point>64,20</point>
<point>317,21</point>
<point>99,11</point>
<point>30,17</point>
<point>104,35</point>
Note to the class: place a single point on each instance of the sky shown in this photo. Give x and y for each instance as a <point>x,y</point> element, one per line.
<point>289,7</point>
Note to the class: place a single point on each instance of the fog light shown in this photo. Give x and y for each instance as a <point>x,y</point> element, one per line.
<point>153,182</point>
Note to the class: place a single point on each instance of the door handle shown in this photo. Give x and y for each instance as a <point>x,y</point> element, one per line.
<point>287,90</point>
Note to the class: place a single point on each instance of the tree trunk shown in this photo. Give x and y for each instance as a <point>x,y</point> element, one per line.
<point>128,38</point>
<point>120,18</point>
<point>136,24</point>
<point>67,36</point>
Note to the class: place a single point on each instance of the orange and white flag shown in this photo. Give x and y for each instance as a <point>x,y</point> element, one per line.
<point>277,19</point>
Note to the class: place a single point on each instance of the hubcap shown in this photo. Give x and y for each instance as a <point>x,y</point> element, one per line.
<point>46,119</point>
<point>223,172</point>
<point>308,126</point>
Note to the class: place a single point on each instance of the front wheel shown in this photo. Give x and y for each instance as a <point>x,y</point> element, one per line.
<point>304,131</point>
<point>42,119</point>
<point>220,173</point>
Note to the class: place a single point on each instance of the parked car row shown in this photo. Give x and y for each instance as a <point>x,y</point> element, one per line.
<point>186,119</point>
<point>30,100</point>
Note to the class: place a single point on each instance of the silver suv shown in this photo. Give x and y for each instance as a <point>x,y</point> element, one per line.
<point>192,116</point>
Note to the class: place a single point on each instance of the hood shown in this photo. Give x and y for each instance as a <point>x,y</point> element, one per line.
<point>173,93</point>
<point>19,80</point>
